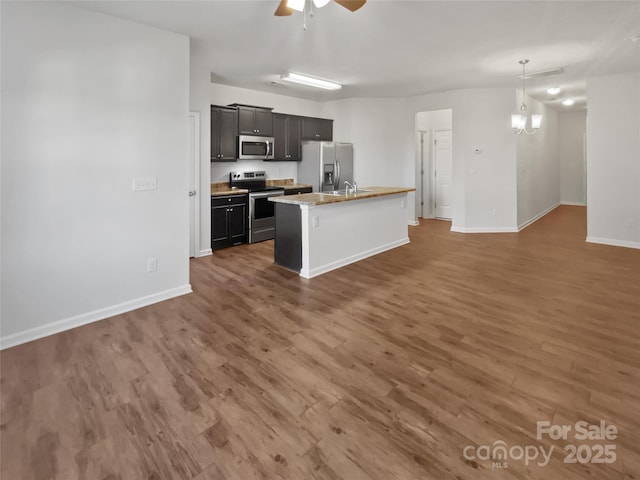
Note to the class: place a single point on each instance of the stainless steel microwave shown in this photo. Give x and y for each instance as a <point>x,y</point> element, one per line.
<point>255,148</point>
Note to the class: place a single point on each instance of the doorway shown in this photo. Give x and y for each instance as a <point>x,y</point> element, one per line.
<point>194,180</point>
<point>434,134</point>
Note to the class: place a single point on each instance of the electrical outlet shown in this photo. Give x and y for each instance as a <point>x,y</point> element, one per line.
<point>144,183</point>
<point>152,264</point>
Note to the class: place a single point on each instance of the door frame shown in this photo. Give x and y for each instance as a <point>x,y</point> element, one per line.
<point>194,184</point>
<point>426,203</point>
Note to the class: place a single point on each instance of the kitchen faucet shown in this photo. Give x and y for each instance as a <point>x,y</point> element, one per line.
<point>353,188</point>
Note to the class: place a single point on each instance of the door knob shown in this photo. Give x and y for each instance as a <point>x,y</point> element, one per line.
<point>192,193</point>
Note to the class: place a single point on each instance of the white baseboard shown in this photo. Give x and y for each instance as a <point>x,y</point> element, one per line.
<point>613,242</point>
<point>205,252</point>
<point>306,273</point>
<point>414,223</point>
<point>575,204</point>
<point>484,230</point>
<point>90,317</point>
<point>524,225</point>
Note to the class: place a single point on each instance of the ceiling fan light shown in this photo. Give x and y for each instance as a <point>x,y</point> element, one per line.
<point>296,5</point>
<point>320,3</point>
<point>310,81</point>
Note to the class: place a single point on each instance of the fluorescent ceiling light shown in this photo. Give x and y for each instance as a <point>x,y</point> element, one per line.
<point>296,5</point>
<point>543,73</point>
<point>320,3</point>
<point>310,81</point>
<point>553,90</point>
<point>568,102</point>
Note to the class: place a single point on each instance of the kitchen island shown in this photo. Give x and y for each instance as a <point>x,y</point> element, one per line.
<point>320,232</point>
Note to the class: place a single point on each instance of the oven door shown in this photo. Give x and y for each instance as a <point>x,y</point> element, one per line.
<point>255,148</point>
<point>262,219</point>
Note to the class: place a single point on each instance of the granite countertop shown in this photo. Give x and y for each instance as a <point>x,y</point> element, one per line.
<point>223,188</point>
<point>287,184</point>
<point>325,199</point>
<point>294,186</point>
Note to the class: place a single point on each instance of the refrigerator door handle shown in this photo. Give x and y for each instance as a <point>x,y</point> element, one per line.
<point>336,186</point>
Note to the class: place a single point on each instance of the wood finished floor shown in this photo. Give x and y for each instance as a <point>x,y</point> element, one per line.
<point>382,370</point>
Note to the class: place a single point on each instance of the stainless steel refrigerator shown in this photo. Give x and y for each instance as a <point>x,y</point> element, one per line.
<point>326,165</point>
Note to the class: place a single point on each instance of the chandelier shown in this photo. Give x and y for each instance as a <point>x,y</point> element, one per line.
<point>519,120</point>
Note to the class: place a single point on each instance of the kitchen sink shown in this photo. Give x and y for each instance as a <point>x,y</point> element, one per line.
<point>344,192</point>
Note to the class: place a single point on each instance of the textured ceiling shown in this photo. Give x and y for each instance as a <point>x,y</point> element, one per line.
<point>402,48</point>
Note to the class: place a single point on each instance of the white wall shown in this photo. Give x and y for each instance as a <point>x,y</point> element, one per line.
<point>383,133</point>
<point>378,129</point>
<point>89,102</point>
<point>484,184</point>
<point>538,165</point>
<point>613,160</point>
<point>573,126</point>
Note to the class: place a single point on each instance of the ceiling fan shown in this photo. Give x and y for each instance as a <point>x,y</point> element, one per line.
<point>287,7</point>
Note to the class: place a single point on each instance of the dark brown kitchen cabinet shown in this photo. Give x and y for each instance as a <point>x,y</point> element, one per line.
<point>224,130</point>
<point>229,220</point>
<point>255,121</point>
<point>286,138</point>
<point>298,191</point>
<point>317,129</point>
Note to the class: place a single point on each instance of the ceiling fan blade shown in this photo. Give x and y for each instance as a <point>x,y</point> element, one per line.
<point>283,10</point>
<point>352,5</point>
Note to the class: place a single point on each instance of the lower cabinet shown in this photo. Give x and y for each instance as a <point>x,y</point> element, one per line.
<point>229,220</point>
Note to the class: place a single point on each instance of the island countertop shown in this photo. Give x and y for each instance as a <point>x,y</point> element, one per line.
<point>325,199</point>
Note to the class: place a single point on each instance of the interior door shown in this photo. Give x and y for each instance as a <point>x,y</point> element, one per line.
<point>194,178</point>
<point>443,174</point>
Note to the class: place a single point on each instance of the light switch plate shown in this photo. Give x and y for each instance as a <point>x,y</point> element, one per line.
<point>152,264</point>
<point>144,183</point>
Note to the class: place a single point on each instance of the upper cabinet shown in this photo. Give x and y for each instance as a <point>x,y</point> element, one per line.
<point>287,130</point>
<point>224,129</point>
<point>317,129</point>
<point>286,138</point>
<point>254,120</point>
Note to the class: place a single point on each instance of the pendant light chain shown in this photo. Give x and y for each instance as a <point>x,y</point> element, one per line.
<point>523,107</point>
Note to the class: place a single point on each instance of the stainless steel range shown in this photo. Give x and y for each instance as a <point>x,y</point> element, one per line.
<point>262,220</point>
